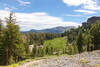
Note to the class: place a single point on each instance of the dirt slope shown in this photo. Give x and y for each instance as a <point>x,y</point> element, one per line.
<point>85,59</point>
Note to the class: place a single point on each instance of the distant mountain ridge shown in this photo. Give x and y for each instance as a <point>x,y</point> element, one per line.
<point>58,29</point>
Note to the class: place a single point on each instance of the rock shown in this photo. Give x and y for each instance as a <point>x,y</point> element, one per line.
<point>93,19</point>
<point>93,59</point>
<point>90,21</point>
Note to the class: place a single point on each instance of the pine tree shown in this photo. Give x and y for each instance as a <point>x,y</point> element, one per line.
<point>80,42</point>
<point>2,46</point>
<point>34,51</point>
<point>95,33</point>
<point>13,41</point>
<point>88,42</point>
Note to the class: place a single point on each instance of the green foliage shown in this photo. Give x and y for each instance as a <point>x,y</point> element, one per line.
<point>95,33</point>
<point>39,38</point>
<point>13,41</point>
<point>88,42</point>
<point>55,45</point>
<point>88,38</point>
<point>80,42</point>
<point>40,52</point>
<point>34,51</point>
<point>71,49</point>
<point>12,46</point>
<point>2,47</point>
<point>37,51</point>
<point>71,34</point>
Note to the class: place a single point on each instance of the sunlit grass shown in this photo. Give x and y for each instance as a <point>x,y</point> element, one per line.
<point>83,61</point>
<point>17,64</point>
<point>97,65</point>
<point>57,44</point>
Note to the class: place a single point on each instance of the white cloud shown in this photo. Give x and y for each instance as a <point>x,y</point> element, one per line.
<point>7,9</point>
<point>37,20</point>
<point>73,2</point>
<point>86,4</point>
<point>10,9</point>
<point>4,13</point>
<point>73,15</point>
<point>23,3</point>
<point>85,11</point>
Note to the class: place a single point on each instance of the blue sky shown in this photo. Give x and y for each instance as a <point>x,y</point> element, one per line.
<point>41,14</point>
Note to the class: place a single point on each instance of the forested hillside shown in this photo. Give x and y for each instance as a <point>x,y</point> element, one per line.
<point>14,45</point>
<point>39,38</point>
<point>86,37</point>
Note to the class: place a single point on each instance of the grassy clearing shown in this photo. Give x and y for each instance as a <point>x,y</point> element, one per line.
<point>57,43</point>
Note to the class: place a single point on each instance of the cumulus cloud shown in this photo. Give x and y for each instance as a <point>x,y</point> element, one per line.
<point>86,4</point>
<point>73,2</point>
<point>85,11</point>
<point>37,20</point>
<point>23,3</point>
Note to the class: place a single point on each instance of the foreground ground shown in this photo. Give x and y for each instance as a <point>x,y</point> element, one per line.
<point>85,59</point>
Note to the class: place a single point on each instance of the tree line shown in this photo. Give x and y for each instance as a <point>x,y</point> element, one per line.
<point>85,38</point>
<point>39,38</point>
<point>14,45</point>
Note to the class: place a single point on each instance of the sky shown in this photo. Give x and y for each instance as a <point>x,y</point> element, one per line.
<point>42,14</point>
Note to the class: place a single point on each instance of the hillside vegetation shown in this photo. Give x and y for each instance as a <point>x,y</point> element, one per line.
<point>57,44</point>
<point>14,46</point>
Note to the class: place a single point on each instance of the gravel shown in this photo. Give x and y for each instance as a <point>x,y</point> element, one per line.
<point>86,59</point>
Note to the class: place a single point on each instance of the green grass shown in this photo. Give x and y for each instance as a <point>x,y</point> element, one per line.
<point>17,64</point>
<point>57,43</point>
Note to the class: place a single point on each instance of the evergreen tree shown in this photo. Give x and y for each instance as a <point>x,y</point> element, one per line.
<point>13,41</point>
<point>2,46</point>
<point>34,51</point>
<point>80,42</point>
<point>88,42</point>
<point>95,33</point>
<point>47,50</point>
